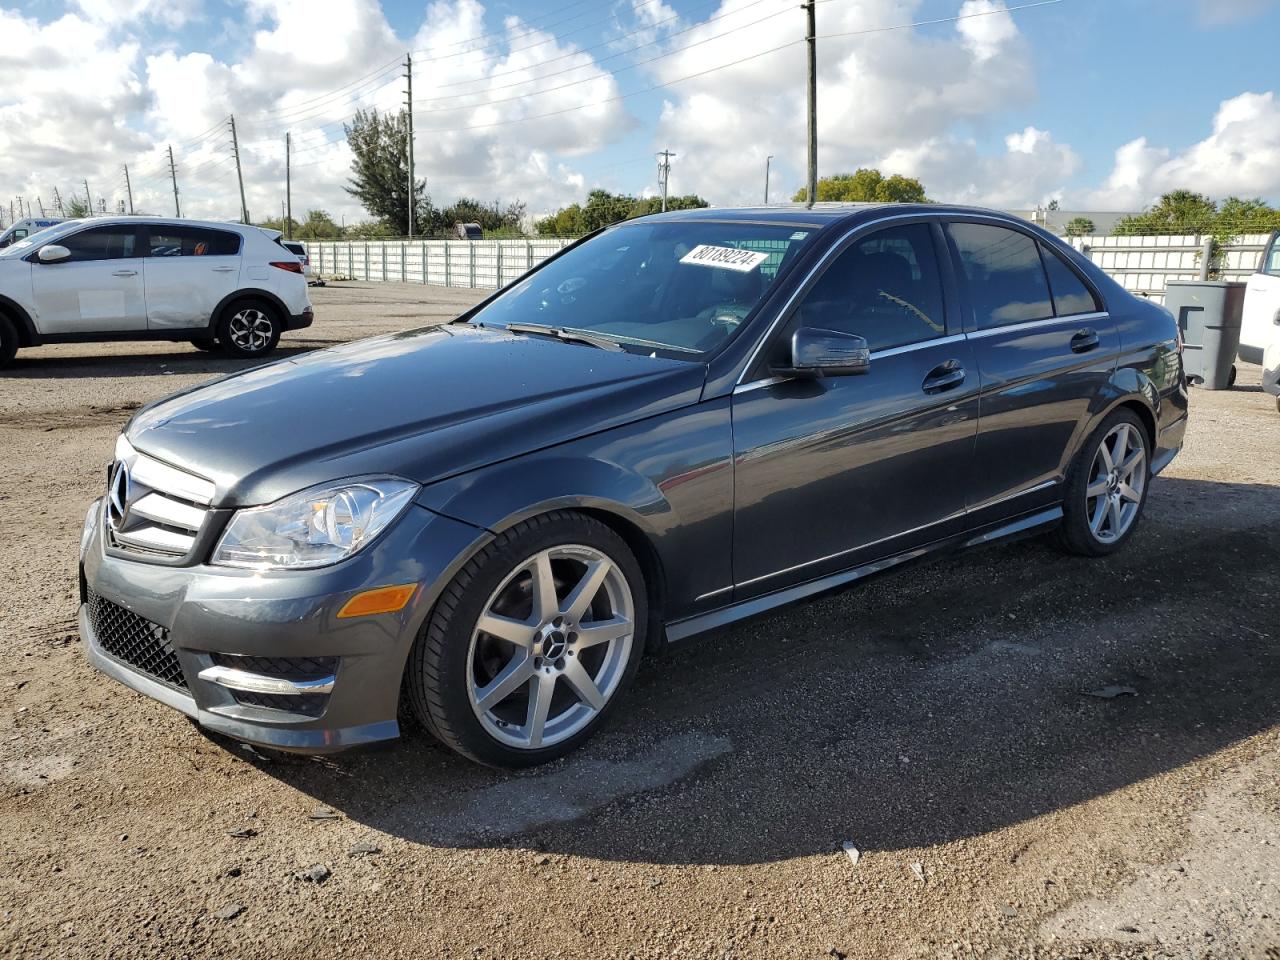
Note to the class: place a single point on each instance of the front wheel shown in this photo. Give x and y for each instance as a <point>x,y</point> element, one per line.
<point>249,329</point>
<point>532,643</point>
<point>1107,487</point>
<point>8,340</point>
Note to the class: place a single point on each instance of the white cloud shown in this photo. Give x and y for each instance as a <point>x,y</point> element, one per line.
<point>1219,12</point>
<point>1241,156</point>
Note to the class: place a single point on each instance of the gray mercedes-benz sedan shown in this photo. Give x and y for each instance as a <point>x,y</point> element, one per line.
<point>675,423</point>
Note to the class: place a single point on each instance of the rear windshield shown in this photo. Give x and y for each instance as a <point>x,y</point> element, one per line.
<point>681,287</point>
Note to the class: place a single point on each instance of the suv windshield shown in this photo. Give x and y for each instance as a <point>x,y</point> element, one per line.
<point>677,286</point>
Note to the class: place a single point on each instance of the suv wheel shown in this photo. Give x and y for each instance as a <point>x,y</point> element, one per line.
<point>249,328</point>
<point>532,643</point>
<point>1107,488</point>
<point>8,340</point>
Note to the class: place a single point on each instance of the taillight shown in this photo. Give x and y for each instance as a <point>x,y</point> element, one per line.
<point>293,266</point>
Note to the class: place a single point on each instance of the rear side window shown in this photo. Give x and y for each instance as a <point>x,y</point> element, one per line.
<point>102,243</point>
<point>1070,295</point>
<point>885,288</point>
<point>175,241</point>
<point>1007,282</point>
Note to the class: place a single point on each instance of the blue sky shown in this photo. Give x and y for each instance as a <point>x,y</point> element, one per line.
<point>1009,109</point>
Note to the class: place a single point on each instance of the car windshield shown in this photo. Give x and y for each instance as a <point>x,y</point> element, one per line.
<point>680,288</point>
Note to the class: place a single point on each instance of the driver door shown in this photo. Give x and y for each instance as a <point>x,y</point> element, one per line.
<point>1261,323</point>
<point>834,472</point>
<point>98,289</point>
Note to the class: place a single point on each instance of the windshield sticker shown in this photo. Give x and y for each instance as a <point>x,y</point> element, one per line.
<point>727,258</point>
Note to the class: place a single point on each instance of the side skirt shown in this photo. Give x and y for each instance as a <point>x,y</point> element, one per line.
<point>1009,529</point>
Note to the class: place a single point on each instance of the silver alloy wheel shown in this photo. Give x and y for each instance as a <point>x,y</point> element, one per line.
<point>1116,481</point>
<point>250,329</point>
<point>551,646</point>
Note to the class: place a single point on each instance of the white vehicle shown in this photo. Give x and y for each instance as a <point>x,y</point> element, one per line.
<point>141,278</point>
<point>1260,328</point>
<point>299,251</point>
<point>24,228</point>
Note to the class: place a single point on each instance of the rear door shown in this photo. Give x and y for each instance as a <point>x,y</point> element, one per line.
<point>1261,326</point>
<point>189,271</point>
<point>98,289</point>
<point>1045,351</point>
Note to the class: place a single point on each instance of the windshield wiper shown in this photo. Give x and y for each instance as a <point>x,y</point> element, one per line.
<point>568,336</point>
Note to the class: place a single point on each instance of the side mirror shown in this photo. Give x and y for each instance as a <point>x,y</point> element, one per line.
<point>52,253</point>
<point>826,353</point>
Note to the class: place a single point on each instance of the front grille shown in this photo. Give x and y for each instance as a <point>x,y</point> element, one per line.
<point>286,668</point>
<point>307,704</point>
<point>153,509</point>
<point>135,641</point>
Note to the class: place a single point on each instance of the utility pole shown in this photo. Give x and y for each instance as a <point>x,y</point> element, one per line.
<point>288,187</point>
<point>40,204</point>
<point>173,175</point>
<point>664,172</point>
<point>235,149</point>
<point>88,198</point>
<point>408,109</point>
<point>57,202</point>
<point>767,160</point>
<point>811,35</point>
<point>128,188</point>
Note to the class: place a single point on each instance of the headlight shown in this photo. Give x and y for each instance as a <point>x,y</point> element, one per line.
<point>90,521</point>
<point>315,527</point>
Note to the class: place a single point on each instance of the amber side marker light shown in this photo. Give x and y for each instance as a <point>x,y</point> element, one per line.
<point>379,600</point>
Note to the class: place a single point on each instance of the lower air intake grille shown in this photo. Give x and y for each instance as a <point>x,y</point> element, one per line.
<point>135,641</point>
<point>307,704</point>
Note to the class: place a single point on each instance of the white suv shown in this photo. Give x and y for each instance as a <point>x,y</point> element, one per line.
<point>1260,332</point>
<point>139,278</point>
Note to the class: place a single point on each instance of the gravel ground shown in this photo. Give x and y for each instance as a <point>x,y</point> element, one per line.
<point>939,720</point>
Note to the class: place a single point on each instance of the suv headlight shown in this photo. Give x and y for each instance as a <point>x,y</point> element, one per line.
<point>314,527</point>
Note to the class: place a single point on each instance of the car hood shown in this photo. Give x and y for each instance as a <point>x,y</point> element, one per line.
<point>424,405</point>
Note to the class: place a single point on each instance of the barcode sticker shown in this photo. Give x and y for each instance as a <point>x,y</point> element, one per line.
<point>726,258</point>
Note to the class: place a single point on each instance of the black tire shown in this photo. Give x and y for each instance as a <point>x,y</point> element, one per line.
<point>207,344</point>
<point>439,672</point>
<point>8,340</point>
<point>1076,533</point>
<point>265,327</point>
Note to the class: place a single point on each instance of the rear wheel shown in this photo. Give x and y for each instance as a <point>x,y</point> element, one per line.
<point>1107,487</point>
<point>250,328</point>
<point>531,645</point>
<point>8,340</point>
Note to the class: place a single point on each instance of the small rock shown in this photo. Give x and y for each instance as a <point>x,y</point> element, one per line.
<point>242,833</point>
<point>1128,929</point>
<point>918,870</point>
<point>317,874</point>
<point>1008,911</point>
<point>852,852</point>
<point>363,849</point>
<point>655,883</point>
<point>233,872</point>
<point>1111,691</point>
<point>124,837</point>
<point>836,954</point>
<point>324,813</point>
<point>542,861</point>
<point>229,912</point>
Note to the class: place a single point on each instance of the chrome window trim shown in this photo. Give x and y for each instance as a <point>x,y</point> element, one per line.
<point>1033,324</point>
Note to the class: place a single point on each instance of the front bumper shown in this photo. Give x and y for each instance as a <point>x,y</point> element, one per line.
<point>213,615</point>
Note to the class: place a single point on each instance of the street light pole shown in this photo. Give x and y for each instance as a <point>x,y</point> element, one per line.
<point>767,161</point>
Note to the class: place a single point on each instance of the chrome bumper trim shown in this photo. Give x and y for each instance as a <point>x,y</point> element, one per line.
<point>234,679</point>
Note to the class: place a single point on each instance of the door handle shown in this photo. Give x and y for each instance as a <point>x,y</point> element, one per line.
<point>125,273</point>
<point>1084,341</point>
<point>224,269</point>
<point>945,376</point>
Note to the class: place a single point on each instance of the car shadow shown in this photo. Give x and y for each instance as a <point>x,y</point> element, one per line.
<point>945,701</point>
<point>32,364</point>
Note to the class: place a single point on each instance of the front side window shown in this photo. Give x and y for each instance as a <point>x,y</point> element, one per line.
<point>174,241</point>
<point>885,288</point>
<point>1007,282</point>
<point>102,243</point>
<point>1070,295</point>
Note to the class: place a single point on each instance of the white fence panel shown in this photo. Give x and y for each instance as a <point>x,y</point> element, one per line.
<point>1145,264</point>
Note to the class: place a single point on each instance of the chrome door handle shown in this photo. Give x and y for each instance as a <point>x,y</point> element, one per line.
<point>125,273</point>
<point>944,376</point>
<point>1084,341</point>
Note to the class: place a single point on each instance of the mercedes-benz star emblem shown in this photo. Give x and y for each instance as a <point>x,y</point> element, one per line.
<point>118,496</point>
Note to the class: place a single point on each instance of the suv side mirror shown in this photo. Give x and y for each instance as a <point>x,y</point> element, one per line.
<point>52,253</point>
<point>826,353</point>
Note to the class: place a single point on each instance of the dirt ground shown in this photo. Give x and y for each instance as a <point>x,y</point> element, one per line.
<point>939,720</point>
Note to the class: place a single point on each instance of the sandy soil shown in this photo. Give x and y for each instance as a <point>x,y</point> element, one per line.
<point>939,720</point>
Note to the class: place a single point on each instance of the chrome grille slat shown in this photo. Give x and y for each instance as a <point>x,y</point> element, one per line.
<point>152,508</point>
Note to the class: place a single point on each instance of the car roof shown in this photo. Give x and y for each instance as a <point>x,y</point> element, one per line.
<point>820,215</point>
<point>174,221</point>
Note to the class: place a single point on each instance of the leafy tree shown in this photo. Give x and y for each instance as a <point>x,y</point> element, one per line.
<point>1248,216</point>
<point>603,208</point>
<point>867,185</point>
<point>76,208</point>
<point>1080,227</point>
<point>1180,211</point>
<point>319,225</point>
<point>380,169</point>
<point>493,217</point>
<point>372,230</point>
